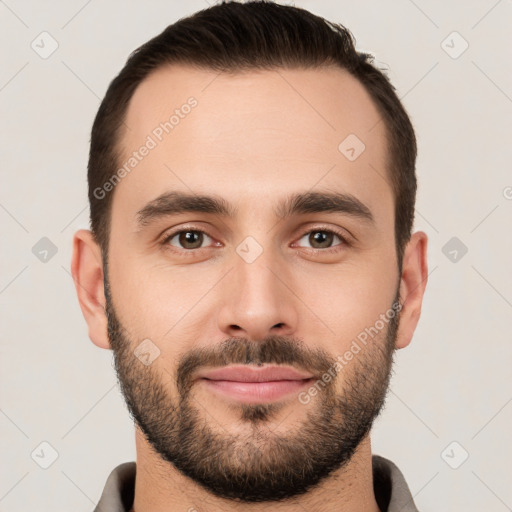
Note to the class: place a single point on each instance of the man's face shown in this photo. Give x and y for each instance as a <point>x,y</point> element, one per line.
<point>254,288</point>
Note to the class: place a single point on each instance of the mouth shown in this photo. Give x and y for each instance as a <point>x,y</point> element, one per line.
<point>252,384</point>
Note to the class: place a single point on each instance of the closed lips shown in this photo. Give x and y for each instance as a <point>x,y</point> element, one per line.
<point>254,374</point>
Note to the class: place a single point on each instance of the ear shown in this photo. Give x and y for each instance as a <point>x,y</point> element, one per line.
<point>87,272</point>
<point>412,287</point>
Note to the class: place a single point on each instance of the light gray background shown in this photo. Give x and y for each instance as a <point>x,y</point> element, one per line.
<point>451,384</point>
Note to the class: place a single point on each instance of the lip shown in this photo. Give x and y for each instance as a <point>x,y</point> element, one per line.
<point>250,385</point>
<point>244,373</point>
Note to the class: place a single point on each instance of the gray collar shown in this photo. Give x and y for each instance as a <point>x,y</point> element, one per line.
<point>391,490</point>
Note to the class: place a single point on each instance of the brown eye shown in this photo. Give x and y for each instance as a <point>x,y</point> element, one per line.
<point>187,239</point>
<point>324,240</point>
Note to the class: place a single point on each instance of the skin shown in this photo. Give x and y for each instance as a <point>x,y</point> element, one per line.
<point>254,138</point>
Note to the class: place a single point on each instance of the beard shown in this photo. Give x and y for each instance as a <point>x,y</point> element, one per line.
<point>262,465</point>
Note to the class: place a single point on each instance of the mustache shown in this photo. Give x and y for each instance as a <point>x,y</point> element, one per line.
<point>273,349</point>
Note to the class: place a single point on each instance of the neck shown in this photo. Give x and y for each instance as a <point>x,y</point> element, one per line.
<point>160,487</point>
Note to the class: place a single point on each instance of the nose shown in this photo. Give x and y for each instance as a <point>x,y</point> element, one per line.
<point>257,299</point>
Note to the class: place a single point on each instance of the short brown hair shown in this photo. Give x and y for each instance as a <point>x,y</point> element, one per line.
<point>235,36</point>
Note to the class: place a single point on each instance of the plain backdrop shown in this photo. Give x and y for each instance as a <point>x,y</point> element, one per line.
<point>449,406</point>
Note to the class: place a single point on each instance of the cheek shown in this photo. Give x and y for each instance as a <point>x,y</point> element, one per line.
<point>168,305</point>
<point>352,297</point>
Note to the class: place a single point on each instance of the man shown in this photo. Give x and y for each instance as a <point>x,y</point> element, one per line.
<point>251,264</point>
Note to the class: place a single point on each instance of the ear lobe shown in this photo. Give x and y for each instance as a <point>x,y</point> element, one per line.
<point>87,272</point>
<point>412,287</point>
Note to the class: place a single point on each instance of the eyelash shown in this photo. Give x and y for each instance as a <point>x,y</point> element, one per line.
<point>183,252</point>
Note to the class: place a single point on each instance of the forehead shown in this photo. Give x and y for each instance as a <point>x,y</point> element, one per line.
<point>255,133</point>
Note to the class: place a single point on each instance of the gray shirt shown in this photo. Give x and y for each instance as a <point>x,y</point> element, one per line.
<point>390,488</point>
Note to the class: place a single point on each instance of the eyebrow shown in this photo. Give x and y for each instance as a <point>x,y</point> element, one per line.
<point>174,203</point>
